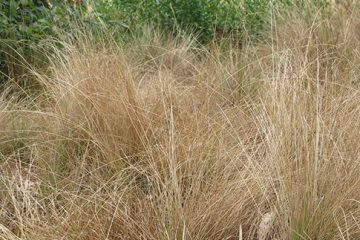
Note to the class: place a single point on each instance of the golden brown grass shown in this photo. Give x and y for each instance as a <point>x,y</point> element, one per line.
<point>159,139</point>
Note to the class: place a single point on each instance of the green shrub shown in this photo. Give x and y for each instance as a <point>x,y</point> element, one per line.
<point>174,16</point>
<point>204,17</point>
<point>242,18</point>
<point>23,24</point>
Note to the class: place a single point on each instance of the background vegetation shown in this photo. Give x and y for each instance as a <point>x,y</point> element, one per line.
<point>26,24</point>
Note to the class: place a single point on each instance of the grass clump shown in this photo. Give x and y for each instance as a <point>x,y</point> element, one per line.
<point>160,138</point>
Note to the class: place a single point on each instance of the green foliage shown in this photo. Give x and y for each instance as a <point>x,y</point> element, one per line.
<point>33,19</point>
<point>204,17</point>
<point>23,24</point>
<point>175,16</point>
<point>242,18</point>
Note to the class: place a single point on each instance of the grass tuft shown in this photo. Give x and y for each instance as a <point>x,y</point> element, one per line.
<point>160,138</point>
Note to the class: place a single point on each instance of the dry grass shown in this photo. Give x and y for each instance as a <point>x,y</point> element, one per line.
<point>159,139</point>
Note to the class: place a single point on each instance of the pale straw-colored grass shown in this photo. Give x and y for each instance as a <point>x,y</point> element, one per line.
<point>163,139</point>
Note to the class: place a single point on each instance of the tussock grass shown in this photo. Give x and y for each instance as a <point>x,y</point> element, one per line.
<point>163,139</point>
